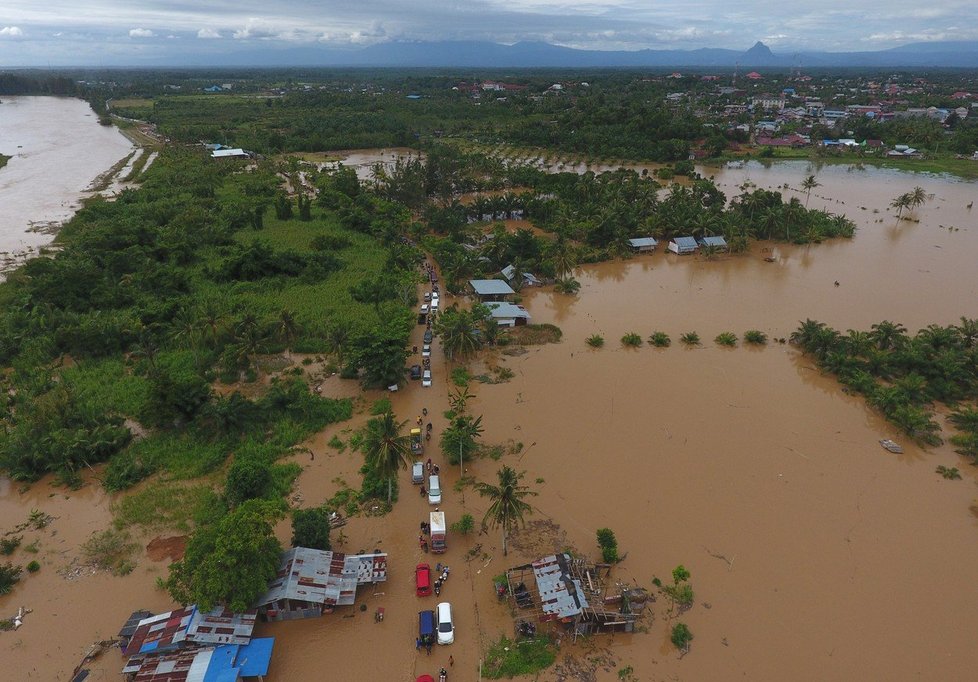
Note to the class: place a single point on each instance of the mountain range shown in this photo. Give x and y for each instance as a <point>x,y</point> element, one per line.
<point>474,54</point>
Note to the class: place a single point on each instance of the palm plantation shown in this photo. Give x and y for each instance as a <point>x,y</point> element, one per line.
<point>386,448</point>
<point>507,507</point>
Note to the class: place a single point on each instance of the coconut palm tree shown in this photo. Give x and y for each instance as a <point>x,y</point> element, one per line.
<point>507,506</point>
<point>458,331</point>
<point>917,197</point>
<point>386,448</point>
<point>809,184</point>
<point>900,203</point>
<point>287,329</point>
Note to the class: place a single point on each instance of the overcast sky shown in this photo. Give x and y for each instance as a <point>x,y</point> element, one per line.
<point>97,32</point>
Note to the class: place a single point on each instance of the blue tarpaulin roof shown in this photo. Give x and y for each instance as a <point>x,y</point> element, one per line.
<point>232,661</point>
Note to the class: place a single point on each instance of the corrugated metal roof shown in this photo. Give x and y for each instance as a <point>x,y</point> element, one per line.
<point>714,242</point>
<point>173,629</point>
<point>506,310</point>
<point>561,596</point>
<point>639,242</point>
<point>224,153</point>
<point>323,577</point>
<point>491,287</point>
<point>685,242</point>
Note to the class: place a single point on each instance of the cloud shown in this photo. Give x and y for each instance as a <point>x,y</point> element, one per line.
<point>208,34</point>
<point>140,33</point>
<point>11,32</point>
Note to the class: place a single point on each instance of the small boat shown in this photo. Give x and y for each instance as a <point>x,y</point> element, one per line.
<point>891,446</point>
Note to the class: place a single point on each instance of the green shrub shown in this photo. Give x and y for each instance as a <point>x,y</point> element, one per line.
<point>595,341</point>
<point>660,340</point>
<point>507,658</point>
<point>381,406</point>
<point>310,528</point>
<point>8,545</point>
<point>609,545</point>
<point>755,337</point>
<point>33,567</point>
<point>681,636</point>
<point>950,473</point>
<point>461,376</point>
<point>631,340</point>
<point>9,575</point>
<point>464,525</point>
<point>728,339</point>
<point>690,339</point>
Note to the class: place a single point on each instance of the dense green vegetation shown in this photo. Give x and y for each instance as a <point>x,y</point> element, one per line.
<point>507,658</point>
<point>905,376</point>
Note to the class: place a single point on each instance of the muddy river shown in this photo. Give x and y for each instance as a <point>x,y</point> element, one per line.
<point>58,150</point>
<point>814,553</point>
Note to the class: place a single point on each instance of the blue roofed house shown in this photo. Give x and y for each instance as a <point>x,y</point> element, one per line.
<point>507,314</point>
<point>714,243</point>
<point>490,289</point>
<point>643,244</point>
<point>683,245</point>
<point>529,279</point>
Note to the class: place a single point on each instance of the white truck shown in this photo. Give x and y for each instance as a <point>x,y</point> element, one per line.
<point>438,532</point>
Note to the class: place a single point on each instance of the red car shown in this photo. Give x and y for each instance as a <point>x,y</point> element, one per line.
<point>426,678</point>
<point>422,580</point>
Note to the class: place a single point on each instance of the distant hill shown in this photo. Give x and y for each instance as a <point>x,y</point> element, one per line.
<point>475,54</point>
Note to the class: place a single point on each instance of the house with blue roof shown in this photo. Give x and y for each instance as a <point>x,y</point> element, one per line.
<point>683,245</point>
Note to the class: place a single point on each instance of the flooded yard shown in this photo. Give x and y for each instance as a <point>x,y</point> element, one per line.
<point>814,553</point>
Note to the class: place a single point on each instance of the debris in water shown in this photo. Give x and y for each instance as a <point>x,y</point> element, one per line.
<point>891,446</point>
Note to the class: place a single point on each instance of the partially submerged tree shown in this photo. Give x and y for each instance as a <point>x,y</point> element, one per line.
<point>386,448</point>
<point>507,507</point>
<point>229,563</point>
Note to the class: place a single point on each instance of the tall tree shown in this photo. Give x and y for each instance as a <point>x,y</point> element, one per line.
<point>386,448</point>
<point>507,507</point>
<point>808,184</point>
<point>229,563</point>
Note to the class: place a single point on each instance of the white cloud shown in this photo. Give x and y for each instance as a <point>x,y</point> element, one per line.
<point>140,33</point>
<point>208,33</point>
<point>11,31</point>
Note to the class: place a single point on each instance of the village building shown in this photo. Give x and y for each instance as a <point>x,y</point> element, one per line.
<point>190,645</point>
<point>768,102</point>
<point>715,243</point>
<point>683,245</point>
<point>311,582</point>
<point>508,314</point>
<point>529,279</point>
<point>568,594</point>
<point>230,154</point>
<point>643,244</point>
<point>490,289</point>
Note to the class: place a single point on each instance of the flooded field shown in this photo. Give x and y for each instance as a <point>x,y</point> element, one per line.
<point>58,150</point>
<point>814,553</point>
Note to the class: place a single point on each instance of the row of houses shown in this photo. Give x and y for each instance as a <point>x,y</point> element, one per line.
<point>679,245</point>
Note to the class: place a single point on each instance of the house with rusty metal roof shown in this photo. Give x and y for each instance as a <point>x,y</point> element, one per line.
<point>227,663</point>
<point>189,625</point>
<point>568,593</point>
<point>311,582</point>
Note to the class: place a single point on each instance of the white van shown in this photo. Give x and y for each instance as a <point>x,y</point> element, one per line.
<point>434,490</point>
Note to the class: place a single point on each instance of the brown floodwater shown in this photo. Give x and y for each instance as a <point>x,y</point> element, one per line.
<point>58,150</point>
<point>814,553</point>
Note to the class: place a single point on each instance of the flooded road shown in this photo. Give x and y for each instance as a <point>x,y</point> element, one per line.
<point>58,150</point>
<point>814,553</point>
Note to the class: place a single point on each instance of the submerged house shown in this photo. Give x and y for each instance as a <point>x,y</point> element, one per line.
<point>643,244</point>
<point>311,582</point>
<point>490,289</point>
<point>190,645</point>
<point>714,243</point>
<point>508,314</point>
<point>569,594</point>
<point>529,279</point>
<point>683,245</point>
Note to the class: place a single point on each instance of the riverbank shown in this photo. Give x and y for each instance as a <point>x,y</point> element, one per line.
<point>58,150</point>
<point>4,159</point>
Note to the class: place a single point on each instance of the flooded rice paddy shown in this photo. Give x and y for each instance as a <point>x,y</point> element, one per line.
<point>58,150</point>
<point>814,553</point>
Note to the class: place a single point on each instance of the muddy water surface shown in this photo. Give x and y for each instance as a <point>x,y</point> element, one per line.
<point>58,149</point>
<point>814,553</point>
